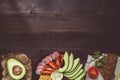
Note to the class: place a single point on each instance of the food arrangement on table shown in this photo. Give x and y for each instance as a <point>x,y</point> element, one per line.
<point>60,66</point>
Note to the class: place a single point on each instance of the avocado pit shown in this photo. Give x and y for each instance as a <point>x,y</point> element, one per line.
<point>17,70</point>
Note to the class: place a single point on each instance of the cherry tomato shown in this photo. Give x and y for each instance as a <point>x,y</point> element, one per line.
<point>93,72</point>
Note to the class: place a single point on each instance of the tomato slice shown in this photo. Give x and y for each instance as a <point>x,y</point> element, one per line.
<point>93,72</point>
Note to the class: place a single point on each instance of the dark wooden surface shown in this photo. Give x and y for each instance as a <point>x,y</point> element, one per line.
<point>38,27</point>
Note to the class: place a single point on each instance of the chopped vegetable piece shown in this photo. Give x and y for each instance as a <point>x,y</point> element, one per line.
<point>56,76</point>
<point>58,62</point>
<point>93,72</point>
<point>99,64</point>
<point>53,65</point>
<point>45,77</point>
<point>48,68</point>
<point>61,56</point>
<point>46,72</point>
<point>104,59</point>
<point>96,54</point>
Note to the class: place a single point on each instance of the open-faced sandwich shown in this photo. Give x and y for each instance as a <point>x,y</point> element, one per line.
<point>16,66</point>
<point>101,66</point>
<point>57,65</point>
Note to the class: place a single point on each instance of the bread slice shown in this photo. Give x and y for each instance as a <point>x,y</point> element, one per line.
<point>23,59</point>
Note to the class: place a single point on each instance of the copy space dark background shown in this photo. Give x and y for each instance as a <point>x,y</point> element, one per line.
<point>37,27</point>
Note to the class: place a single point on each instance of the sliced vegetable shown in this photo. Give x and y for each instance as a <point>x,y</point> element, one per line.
<point>49,57</point>
<point>98,64</point>
<point>96,54</point>
<point>93,72</point>
<point>58,61</point>
<point>41,63</point>
<point>104,60</point>
<point>45,60</point>
<point>56,76</point>
<point>101,61</point>
<point>56,53</point>
<point>62,57</point>
<point>53,65</point>
<point>45,77</point>
<point>48,68</point>
<point>46,72</point>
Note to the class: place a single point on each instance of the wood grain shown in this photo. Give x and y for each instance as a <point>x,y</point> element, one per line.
<point>38,27</point>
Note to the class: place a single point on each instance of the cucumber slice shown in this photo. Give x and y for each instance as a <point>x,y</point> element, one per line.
<point>56,76</point>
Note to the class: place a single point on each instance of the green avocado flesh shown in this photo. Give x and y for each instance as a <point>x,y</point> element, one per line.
<point>11,63</point>
<point>71,61</point>
<point>76,62</point>
<point>76,75</point>
<point>66,60</point>
<point>75,72</point>
<point>81,76</point>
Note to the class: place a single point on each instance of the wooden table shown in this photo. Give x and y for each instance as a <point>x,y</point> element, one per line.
<point>37,33</point>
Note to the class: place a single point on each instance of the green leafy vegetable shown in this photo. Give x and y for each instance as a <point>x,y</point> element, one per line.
<point>104,59</point>
<point>99,64</point>
<point>96,54</point>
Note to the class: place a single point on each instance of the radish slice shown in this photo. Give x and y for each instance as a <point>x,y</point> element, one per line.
<point>38,71</point>
<point>56,53</point>
<point>53,56</point>
<point>49,57</point>
<point>40,67</point>
<point>45,60</point>
<point>41,63</point>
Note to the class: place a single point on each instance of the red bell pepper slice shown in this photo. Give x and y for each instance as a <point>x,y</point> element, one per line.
<point>48,68</point>
<point>58,62</point>
<point>53,65</point>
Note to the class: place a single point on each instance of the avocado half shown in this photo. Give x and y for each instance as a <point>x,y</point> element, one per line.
<point>21,60</point>
<point>10,65</point>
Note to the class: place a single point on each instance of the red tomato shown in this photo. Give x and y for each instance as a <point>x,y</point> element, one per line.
<point>93,72</point>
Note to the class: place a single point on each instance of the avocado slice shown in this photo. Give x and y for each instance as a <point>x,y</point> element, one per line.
<point>71,62</point>
<point>16,69</point>
<point>77,75</point>
<point>75,72</point>
<point>76,62</point>
<point>70,73</point>
<point>81,76</point>
<point>66,63</point>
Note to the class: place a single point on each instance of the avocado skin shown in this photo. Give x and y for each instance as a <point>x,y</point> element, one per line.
<point>10,64</point>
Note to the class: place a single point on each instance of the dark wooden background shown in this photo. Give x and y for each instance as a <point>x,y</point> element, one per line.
<point>37,27</point>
